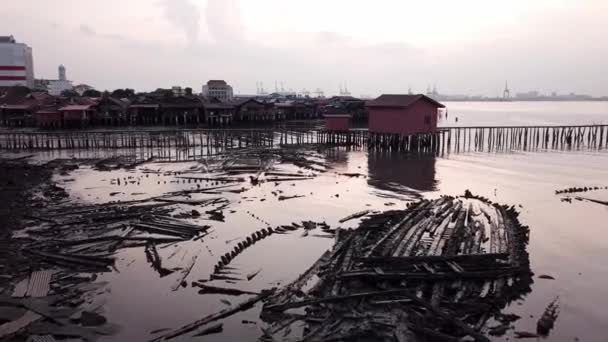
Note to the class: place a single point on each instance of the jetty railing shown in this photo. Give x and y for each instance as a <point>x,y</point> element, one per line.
<point>444,140</point>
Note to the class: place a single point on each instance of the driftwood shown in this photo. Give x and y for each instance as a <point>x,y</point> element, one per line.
<point>221,290</point>
<point>213,329</point>
<point>181,280</point>
<point>355,215</point>
<point>214,317</point>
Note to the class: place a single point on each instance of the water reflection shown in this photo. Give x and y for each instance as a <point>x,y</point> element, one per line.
<point>401,173</point>
<point>337,157</point>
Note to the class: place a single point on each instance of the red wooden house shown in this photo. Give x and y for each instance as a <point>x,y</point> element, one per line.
<point>337,119</point>
<point>403,114</point>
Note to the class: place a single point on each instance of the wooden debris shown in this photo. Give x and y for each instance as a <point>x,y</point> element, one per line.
<point>253,274</point>
<point>421,271</point>
<point>213,329</point>
<point>214,317</point>
<point>547,320</point>
<point>221,290</point>
<point>355,215</point>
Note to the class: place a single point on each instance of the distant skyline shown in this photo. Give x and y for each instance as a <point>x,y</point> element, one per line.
<point>384,46</point>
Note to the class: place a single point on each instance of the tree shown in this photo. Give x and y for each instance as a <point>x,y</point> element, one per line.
<point>69,93</point>
<point>119,93</point>
<point>188,91</point>
<point>91,93</point>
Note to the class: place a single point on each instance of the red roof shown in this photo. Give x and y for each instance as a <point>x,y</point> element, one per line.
<point>75,107</point>
<point>397,100</point>
<point>18,106</point>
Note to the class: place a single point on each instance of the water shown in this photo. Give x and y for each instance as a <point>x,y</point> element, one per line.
<point>525,113</point>
<point>567,240</point>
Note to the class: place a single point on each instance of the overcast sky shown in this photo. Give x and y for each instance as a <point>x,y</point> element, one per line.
<point>380,46</point>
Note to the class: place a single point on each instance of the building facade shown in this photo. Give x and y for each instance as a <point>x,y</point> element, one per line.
<point>16,63</point>
<point>218,89</point>
<point>403,114</point>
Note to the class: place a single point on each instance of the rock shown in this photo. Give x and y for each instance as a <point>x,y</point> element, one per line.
<point>91,319</point>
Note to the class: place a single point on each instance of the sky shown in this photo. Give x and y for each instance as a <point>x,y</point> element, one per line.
<point>373,47</point>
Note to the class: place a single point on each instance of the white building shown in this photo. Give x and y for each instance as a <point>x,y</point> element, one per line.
<point>178,91</point>
<point>16,63</point>
<point>219,89</point>
<point>56,87</point>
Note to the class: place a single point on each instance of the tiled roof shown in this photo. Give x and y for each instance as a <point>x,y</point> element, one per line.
<point>75,107</point>
<point>398,100</point>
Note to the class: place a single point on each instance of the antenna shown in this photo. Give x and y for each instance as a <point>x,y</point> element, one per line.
<point>276,88</point>
<point>282,89</point>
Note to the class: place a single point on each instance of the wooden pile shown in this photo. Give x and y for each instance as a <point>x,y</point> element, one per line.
<point>437,271</point>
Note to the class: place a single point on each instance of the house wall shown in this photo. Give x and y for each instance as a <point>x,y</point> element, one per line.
<point>398,120</point>
<point>337,123</point>
<point>48,119</point>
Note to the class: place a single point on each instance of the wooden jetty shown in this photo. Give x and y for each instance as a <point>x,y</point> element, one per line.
<point>444,140</point>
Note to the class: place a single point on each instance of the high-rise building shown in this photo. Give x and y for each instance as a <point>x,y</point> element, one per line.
<point>218,88</point>
<point>62,76</point>
<point>16,63</point>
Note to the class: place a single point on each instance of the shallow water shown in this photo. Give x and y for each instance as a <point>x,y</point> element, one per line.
<point>568,240</point>
<point>517,113</point>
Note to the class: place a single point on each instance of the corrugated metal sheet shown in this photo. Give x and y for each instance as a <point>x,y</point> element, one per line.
<point>42,338</point>
<point>18,324</point>
<point>21,288</point>
<point>40,283</point>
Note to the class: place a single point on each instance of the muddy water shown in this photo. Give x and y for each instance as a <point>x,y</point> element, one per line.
<point>568,240</point>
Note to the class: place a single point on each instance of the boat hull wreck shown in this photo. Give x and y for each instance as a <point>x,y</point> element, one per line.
<point>440,270</point>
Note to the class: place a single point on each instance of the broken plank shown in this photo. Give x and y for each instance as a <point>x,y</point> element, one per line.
<point>355,215</point>
<point>214,317</point>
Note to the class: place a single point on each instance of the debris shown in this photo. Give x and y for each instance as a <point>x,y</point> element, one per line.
<point>283,198</point>
<point>546,276</point>
<point>547,320</point>
<point>220,290</point>
<point>185,272</point>
<point>89,319</point>
<point>430,263</point>
<point>214,317</point>
<point>253,274</point>
<point>355,215</point>
<point>213,329</point>
<point>525,334</point>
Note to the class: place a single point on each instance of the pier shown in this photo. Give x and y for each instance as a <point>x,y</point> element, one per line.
<point>207,141</point>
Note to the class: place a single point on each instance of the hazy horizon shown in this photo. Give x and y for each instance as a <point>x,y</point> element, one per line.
<point>467,47</point>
